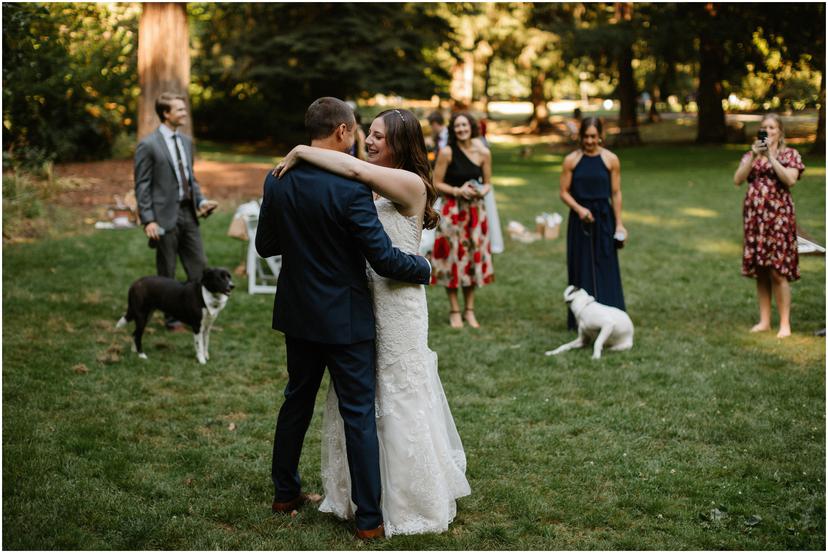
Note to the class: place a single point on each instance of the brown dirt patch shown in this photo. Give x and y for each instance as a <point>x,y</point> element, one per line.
<point>227,183</point>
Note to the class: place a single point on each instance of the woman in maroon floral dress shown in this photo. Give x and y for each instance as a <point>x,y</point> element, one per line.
<point>770,252</point>
<point>462,254</point>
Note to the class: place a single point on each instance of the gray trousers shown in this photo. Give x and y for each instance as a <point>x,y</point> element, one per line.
<point>184,241</point>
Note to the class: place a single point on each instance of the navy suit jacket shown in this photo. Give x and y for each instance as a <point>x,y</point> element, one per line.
<point>325,227</point>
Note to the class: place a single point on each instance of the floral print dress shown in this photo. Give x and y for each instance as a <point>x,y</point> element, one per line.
<point>462,254</point>
<point>769,218</point>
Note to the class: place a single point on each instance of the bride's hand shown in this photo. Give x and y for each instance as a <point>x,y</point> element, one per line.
<point>287,162</point>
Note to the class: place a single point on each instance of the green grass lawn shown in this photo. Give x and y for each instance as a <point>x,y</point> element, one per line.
<point>701,437</point>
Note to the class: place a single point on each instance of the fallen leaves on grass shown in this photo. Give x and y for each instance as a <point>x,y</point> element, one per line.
<point>104,324</point>
<point>112,354</point>
<point>80,368</point>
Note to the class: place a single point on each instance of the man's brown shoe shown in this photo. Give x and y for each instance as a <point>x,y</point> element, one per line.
<point>295,503</point>
<point>373,534</point>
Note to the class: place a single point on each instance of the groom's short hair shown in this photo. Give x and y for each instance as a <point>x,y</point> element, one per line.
<point>325,114</point>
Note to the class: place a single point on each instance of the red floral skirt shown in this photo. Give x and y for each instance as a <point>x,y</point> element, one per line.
<point>462,254</point>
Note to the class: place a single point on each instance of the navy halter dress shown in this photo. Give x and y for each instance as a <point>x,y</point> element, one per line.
<point>591,256</point>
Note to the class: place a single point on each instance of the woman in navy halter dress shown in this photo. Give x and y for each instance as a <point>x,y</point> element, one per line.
<point>591,187</point>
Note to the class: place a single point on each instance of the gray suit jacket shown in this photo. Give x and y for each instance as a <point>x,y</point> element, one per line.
<point>156,187</point>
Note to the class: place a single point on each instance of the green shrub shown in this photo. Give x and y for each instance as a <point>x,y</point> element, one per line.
<point>21,197</point>
<point>69,71</point>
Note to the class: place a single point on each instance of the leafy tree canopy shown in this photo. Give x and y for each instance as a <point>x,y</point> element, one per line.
<point>68,78</point>
<point>283,56</point>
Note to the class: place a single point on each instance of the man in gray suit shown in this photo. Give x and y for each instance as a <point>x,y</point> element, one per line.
<point>169,198</point>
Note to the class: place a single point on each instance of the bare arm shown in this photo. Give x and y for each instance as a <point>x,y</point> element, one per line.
<point>443,159</point>
<point>615,180</point>
<point>746,164</point>
<point>788,175</point>
<point>402,187</point>
<point>566,183</point>
<point>487,171</point>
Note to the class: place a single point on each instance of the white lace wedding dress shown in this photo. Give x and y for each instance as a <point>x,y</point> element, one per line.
<point>422,463</point>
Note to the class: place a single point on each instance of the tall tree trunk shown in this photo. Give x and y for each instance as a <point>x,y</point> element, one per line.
<point>487,78</point>
<point>627,118</point>
<point>462,81</point>
<point>539,121</point>
<point>662,90</point>
<point>655,97</point>
<point>819,144</point>
<point>163,60</point>
<point>711,120</point>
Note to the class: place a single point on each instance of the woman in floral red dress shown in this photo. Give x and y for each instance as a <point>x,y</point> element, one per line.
<point>462,255</point>
<point>770,249</point>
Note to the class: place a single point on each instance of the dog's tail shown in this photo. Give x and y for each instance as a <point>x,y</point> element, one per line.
<point>127,317</point>
<point>130,314</point>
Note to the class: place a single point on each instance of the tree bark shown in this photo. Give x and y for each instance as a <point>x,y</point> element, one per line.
<point>627,118</point>
<point>819,143</point>
<point>712,127</point>
<point>655,97</point>
<point>462,82</point>
<point>163,60</point>
<point>539,121</point>
<point>662,90</point>
<point>487,78</point>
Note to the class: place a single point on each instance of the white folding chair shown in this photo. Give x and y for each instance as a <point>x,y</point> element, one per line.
<point>262,273</point>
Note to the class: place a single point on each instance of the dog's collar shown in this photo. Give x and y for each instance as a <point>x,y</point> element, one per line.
<point>585,304</point>
<point>213,302</point>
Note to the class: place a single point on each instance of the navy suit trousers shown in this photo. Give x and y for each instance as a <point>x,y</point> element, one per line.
<point>353,376</point>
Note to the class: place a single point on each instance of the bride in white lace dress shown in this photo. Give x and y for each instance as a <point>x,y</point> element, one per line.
<point>422,462</point>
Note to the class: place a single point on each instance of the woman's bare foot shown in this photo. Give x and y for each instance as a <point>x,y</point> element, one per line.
<point>470,318</point>
<point>455,320</point>
<point>783,333</point>
<point>760,327</point>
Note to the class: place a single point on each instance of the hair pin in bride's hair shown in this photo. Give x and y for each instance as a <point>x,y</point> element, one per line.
<point>401,115</point>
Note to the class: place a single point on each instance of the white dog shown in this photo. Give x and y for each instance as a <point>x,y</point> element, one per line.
<point>608,326</point>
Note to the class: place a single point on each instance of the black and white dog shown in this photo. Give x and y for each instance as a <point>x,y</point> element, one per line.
<point>196,304</point>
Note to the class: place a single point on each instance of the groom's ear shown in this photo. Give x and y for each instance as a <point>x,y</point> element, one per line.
<point>341,131</point>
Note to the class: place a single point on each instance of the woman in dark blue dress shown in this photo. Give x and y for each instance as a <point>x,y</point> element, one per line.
<point>591,187</point>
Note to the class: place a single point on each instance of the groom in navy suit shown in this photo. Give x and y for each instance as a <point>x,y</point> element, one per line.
<point>325,227</point>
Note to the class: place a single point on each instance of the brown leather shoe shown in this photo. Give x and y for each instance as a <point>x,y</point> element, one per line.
<point>295,503</point>
<point>373,534</point>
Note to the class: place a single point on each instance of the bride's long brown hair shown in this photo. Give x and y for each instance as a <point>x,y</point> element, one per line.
<point>404,136</point>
